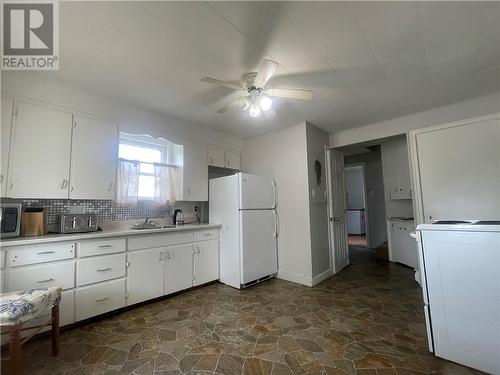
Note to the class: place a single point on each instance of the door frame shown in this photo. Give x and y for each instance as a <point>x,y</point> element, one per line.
<point>329,213</point>
<point>362,164</point>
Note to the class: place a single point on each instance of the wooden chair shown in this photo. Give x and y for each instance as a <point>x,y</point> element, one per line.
<point>18,308</point>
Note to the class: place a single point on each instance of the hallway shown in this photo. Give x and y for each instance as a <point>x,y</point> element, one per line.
<point>367,320</point>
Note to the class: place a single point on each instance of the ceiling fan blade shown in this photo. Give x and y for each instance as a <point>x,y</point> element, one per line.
<point>219,82</point>
<point>265,73</point>
<point>291,93</point>
<point>229,106</point>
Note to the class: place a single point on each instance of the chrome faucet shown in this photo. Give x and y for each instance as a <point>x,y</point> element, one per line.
<point>147,219</point>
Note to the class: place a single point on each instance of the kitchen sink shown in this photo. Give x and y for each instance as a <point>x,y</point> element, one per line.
<point>142,226</point>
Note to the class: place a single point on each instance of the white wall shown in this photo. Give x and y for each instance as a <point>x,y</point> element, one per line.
<point>458,111</point>
<point>39,86</point>
<point>354,185</point>
<point>375,196</point>
<point>317,140</point>
<point>283,155</point>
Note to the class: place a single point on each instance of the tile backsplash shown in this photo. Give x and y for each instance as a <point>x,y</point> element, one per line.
<point>105,210</point>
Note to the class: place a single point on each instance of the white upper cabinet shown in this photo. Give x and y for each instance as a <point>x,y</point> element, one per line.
<point>195,172</point>
<point>216,156</point>
<point>7,105</point>
<point>396,169</point>
<point>40,155</point>
<point>232,160</point>
<point>94,159</point>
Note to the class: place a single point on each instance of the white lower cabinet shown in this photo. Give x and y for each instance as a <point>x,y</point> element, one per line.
<point>145,275</point>
<point>206,261</point>
<point>178,268</point>
<point>57,274</point>
<point>99,298</point>
<point>403,247</point>
<point>97,269</point>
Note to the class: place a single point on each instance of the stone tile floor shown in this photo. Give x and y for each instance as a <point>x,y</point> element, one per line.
<point>367,320</point>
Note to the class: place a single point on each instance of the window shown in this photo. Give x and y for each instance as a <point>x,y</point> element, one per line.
<point>148,155</point>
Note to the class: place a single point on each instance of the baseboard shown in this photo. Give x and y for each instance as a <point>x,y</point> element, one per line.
<point>294,278</point>
<point>322,276</point>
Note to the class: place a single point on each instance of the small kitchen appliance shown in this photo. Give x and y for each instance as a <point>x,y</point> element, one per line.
<point>10,219</point>
<point>77,223</point>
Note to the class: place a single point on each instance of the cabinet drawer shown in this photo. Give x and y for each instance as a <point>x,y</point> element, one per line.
<point>159,240</point>
<point>208,234</point>
<point>29,254</point>
<point>66,311</point>
<point>42,276</point>
<point>100,247</point>
<point>99,299</point>
<point>94,270</point>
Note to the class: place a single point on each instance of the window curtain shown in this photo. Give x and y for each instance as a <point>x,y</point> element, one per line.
<point>165,183</point>
<point>127,188</point>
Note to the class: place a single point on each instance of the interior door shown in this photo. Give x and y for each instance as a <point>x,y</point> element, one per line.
<point>257,192</point>
<point>258,244</point>
<point>337,210</point>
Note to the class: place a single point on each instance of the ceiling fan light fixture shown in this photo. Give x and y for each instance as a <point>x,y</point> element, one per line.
<point>255,111</point>
<point>265,102</point>
<point>243,103</point>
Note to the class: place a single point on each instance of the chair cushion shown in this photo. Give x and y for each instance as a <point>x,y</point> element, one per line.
<point>17,307</point>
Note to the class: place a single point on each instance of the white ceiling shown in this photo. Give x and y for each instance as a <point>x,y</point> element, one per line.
<point>365,61</point>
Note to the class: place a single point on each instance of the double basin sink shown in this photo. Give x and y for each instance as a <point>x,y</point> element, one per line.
<point>150,225</point>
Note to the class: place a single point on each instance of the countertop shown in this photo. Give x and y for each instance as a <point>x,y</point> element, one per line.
<point>401,219</point>
<point>109,229</point>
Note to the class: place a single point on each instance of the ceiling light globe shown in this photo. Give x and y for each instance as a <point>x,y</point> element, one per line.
<point>255,111</point>
<point>265,102</point>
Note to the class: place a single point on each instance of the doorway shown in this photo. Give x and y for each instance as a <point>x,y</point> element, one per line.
<point>356,206</point>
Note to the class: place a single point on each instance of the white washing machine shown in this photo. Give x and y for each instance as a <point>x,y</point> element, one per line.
<point>356,221</point>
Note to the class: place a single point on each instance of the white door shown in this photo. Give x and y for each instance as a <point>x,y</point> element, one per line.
<point>258,244</point>
<point>40,153</point>
<point>256,192</point>
<point>206,261</point>
<point>195,172</point>
<point>178,268</point>
<point>145,275</point>
<point>7,105</point>
<point>337,210</point>
<point>95,154</point>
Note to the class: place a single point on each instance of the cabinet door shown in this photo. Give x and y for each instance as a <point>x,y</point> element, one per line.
<point>178,268</point>
<point>232,160</point>
<point>40,153</point>
<point>396,242</point>
<point>195,172</point>
<point>206,262</point>
<point>7,105</point>
<point>216,156</point>
<point>145,273</point>
<point>404,170</point>
<point>94,158</point>
<point>389,167</point>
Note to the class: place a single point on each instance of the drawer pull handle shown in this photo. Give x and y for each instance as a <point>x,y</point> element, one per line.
<point>104,246</point>
<point>45,281</point>
<point>102,299</point>
<point>207,234</point>
<point>103,269</point>
<point>45,252</point>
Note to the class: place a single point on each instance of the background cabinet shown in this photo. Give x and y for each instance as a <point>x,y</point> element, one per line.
<point>7,105</point>
<point>195,172</point>
<point>145,275</point>
<point>40,155</point>
<point>216,156</point>
<point>94,158</point>
<point>403,247</point>
<point>206,261</point>
<point>396,169</point>
<point>232,160</point>
<point>178,268</point>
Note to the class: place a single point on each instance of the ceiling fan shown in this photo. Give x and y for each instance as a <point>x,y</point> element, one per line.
<point>258,99</point>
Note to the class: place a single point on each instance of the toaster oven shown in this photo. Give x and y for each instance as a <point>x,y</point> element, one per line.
<point>10,220</point>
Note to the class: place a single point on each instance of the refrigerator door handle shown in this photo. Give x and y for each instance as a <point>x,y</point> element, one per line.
<point>275,214</point>
<point>274,195</point>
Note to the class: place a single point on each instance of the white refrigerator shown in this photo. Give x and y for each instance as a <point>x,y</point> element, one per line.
<point>245,206</point>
